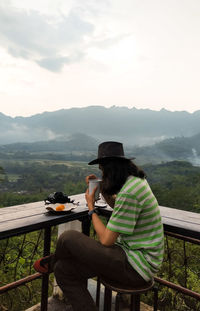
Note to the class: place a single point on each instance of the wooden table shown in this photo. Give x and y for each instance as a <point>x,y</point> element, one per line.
<point>20,219</point>
<point>15,220</point>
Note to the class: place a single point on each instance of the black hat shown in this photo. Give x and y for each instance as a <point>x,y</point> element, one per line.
<point>109,149</point>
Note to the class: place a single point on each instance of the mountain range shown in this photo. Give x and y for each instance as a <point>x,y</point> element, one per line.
<point>135,127</point>
<point>150,136</point>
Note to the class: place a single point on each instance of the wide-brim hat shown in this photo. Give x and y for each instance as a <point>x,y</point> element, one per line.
<point>109,149</point>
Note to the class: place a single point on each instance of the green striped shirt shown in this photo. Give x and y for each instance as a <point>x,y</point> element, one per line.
<point>136,216</point>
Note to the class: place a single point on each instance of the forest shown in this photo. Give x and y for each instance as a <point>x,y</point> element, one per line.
<point>176,184</point>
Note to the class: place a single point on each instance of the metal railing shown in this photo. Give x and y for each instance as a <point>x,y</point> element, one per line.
<point>178,282</point>
<point>20,286</point>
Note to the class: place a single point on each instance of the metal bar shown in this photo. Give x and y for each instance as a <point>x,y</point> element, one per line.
<point>107,299</point>
<point>193,234</point>
<point>13,285</point>
<point>117,301</point>
<point>178,288</point>
<point>98,292</point>
<point>155,305</point>
<point>182,237</point>
<point>45,278</point>
<point>86,223</point>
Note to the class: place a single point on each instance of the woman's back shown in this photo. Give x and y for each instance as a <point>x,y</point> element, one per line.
<point>136,216</point>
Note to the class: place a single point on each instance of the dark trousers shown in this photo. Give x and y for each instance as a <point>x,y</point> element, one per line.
<point>79,257</point>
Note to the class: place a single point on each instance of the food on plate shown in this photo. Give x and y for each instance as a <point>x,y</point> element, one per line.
<point>60,207</point>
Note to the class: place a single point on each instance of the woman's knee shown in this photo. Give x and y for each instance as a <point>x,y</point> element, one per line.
<point>70,235</point>
<point>67,240</point>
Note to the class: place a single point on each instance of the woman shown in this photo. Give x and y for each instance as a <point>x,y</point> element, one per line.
<point>130,247</point>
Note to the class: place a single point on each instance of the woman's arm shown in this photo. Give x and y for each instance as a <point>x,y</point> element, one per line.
<point>105,235</point>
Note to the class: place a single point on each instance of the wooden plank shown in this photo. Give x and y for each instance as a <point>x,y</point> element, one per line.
<point>29,208</point>
<point>37,222</point>
<point>33,215</point>
<point>22,207</point>
<point>180,214</point>
<point>21,213</point>
<point>23,218</point>
<point>36,205</point>
<point>180,219</point>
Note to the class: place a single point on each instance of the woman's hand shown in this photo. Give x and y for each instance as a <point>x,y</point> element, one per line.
<point>92,176</point>
<point>106,236</point>
<point>90,198</point>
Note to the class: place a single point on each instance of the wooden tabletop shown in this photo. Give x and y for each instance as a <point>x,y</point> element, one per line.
<point>15,220</point>
<point>24,218</point>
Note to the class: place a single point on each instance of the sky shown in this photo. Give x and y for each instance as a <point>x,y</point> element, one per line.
<point>58,54</point>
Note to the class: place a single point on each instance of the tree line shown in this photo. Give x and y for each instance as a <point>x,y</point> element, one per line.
<point>176,184</point>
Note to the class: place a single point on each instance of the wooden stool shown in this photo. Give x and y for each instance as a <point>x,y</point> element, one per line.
<point>134,292</point>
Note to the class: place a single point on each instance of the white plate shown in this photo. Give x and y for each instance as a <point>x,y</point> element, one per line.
<point>68,208</point>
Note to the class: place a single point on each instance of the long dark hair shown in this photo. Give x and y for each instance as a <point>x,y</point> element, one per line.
<point>115,172</point>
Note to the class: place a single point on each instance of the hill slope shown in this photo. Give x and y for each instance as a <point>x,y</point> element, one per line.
<point>84,147</point>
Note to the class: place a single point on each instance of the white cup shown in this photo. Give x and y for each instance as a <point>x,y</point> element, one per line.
<point>93,183</point>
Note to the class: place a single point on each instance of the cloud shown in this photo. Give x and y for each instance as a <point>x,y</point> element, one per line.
<point>49,41</point>
<point>22,133</point>
<point>53,63</point>
<point>53,41</point>
<point>56,63</point>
